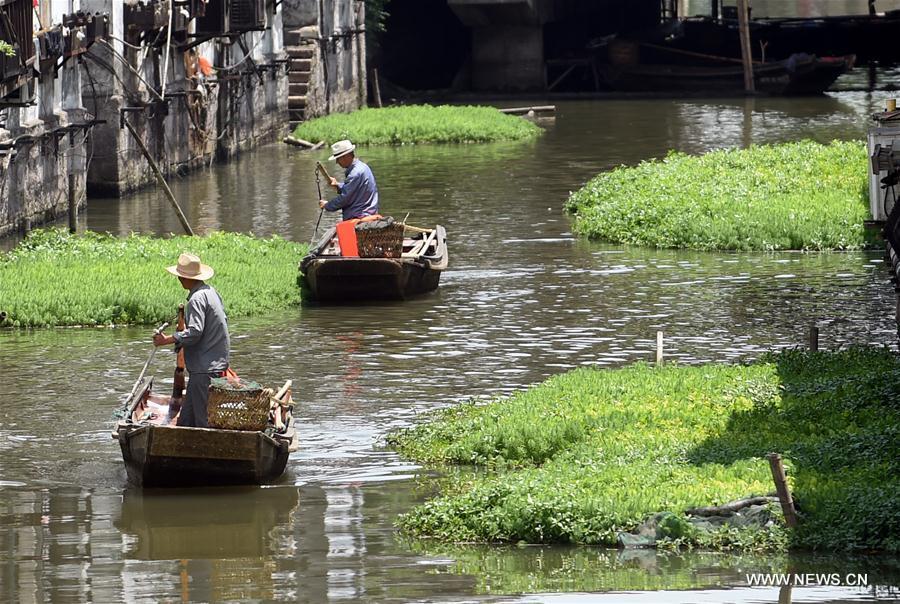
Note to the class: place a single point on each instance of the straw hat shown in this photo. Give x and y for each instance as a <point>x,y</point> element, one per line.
<point>341,148</point>
<point>189,267</point>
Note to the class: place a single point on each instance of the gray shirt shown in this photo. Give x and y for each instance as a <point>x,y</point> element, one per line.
<point>205,338</point>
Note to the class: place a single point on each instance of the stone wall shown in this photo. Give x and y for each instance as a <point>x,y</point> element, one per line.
<point>185,118</point>
<point>192,120</point>
<point>44,153</point>
<point>334,30</point>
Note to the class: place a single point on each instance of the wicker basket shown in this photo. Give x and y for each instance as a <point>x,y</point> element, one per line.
<point>241,407</point>
<point>379,239</point>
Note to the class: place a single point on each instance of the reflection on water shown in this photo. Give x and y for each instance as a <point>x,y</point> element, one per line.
<point>522,300</point>
<point>541,569</point>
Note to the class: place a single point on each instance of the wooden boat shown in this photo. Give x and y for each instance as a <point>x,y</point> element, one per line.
<point>157,453</point>
<point>330,277</point>
<point>865,36</point>
<point>797,75</point>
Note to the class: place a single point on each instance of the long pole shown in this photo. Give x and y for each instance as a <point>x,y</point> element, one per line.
<point>161,179</point>
<point>746,54</point>
<point>321,210</point>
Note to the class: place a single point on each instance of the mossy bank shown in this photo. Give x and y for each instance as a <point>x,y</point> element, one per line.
<point>591,454</point>
<point>794,196</point>
<point>416,124</point>
<point>53,278</point>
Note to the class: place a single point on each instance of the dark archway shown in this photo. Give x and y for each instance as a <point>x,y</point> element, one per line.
<point>424,45</point>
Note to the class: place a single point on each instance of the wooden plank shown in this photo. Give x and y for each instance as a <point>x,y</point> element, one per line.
<point>536,109</point>
<point>204,443</point>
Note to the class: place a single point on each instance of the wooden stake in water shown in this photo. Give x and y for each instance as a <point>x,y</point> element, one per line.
<point>73,207</point>
<point>781,487</point>
<point>659,348</point>
<point>744,35</point>
<point>813,338</point>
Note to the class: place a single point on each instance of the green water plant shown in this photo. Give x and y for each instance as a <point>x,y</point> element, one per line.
<point>412,124</point>
<point>793,196</point>
<point>53,278</point>
<point>593,452</point>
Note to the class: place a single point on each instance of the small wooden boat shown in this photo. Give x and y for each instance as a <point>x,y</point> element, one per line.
<point>797,75</point>
<point>330,277</point>
<point>157,453</point>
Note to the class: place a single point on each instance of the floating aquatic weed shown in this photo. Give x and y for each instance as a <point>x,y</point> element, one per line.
<point>53,278</point>
<point>410,124</point>
<point>792,196</point>
<point>593,452</point>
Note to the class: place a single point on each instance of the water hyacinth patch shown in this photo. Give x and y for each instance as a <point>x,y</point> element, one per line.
<point>411,124</point>
<point>53,278</point>
<point>593,452</point>
<point>794,196</point>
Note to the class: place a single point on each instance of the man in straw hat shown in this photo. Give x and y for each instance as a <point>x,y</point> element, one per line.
<point>358,194</point>
<point>205,338</point>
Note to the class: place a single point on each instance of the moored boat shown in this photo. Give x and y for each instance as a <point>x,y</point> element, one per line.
<point>797,75</point>
<point>157,453</point>
<point>330,276</point>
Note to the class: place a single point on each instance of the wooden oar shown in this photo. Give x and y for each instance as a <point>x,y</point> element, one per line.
<point>325,173</point>
<point>134,388</point>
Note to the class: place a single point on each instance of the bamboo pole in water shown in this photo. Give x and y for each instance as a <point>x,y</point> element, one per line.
<point>746,54</point>
<point>161,179</point>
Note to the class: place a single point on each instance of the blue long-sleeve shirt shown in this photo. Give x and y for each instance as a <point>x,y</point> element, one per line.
<point>205,337</point>
<point>358,194</point>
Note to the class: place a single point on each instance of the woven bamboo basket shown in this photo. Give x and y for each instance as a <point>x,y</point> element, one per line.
<point>243,407</point>
<point>380,241</point>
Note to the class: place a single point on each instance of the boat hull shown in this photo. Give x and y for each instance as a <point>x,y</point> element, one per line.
<point>806,76</point>
<point>358,279</point>
<point>171,456</point>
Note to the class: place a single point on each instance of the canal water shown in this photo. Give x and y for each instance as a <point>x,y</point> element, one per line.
<point>522,300</point>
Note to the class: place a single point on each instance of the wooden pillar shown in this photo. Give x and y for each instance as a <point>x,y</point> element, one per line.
<point>746,53</point>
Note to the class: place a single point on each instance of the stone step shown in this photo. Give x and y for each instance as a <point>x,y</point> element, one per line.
<point>298,77</point>
<point>301,65</point>
<point>296,102</point>
<point>297,89</point>
<point>294,123</point>
<point>292,37</point>
<point>300,52</point>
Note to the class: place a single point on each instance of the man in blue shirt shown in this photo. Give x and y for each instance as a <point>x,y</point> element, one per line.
<point>358,194</point>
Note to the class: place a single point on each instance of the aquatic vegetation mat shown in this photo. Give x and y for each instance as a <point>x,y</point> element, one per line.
<point>408,124</point>
<point>53,278</point>
<point>794,196</point>
<point>594,452</point>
